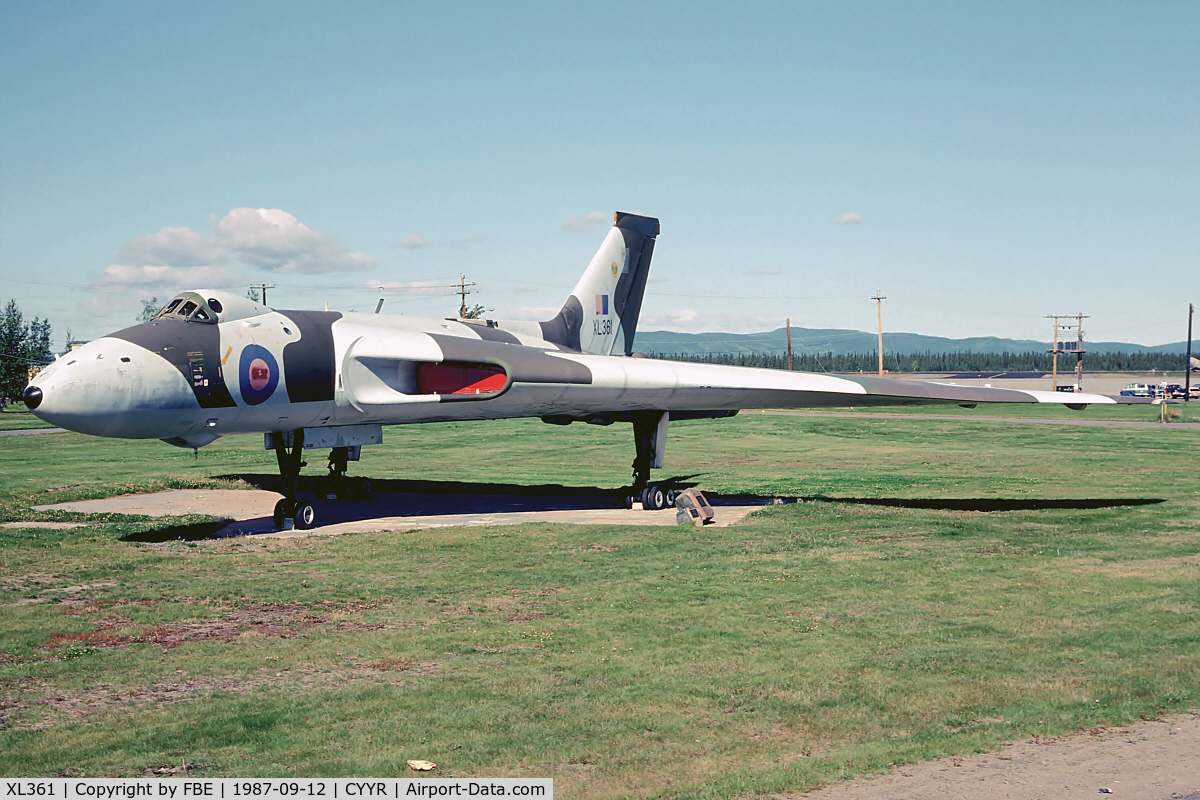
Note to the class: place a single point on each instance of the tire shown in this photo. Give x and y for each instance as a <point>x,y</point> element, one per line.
<point>670,498</point>
<point>364,488</point>
<point>653,498</point>
<point>627,501</point>
<point>306,515</point>
<point>350,488</point>
<point>281,513</point>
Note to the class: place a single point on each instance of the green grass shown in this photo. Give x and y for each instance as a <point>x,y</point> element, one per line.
<point>17,418</point>
<point>812,642</point>
<point>1142,412</point>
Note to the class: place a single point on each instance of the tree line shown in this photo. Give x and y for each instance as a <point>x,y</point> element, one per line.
<point>939,362</point>
<point>22,345</point>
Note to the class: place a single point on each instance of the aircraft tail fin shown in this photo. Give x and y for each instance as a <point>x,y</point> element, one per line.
<point>601,315</point>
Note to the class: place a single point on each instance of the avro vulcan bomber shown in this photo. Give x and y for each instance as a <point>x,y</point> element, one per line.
<point>212,364</point>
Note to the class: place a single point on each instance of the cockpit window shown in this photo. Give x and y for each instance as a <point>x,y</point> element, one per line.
<point>167,310</point>
<point>195,307</point>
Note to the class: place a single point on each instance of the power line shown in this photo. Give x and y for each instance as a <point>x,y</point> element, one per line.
<point>26,360</point>
<point>263,287</point>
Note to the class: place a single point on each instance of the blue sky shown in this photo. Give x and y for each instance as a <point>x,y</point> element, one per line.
<point>983,165</point>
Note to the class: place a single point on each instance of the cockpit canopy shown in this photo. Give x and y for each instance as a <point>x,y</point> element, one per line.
<point>209,306</point>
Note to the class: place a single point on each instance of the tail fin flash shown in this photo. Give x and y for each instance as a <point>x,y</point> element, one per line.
<point>601,315</point>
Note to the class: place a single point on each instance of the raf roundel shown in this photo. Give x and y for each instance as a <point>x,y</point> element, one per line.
<point>258,374</point>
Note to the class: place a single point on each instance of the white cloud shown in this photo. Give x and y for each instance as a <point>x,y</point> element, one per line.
<point>415,242</point>
<point>849,219</point>
<point>586,222</point>
<point>115,295</point>
<point>174,247</point>
<point>267,238</point>
<point>122,276</point>
<point>271,239</point>
<point>412,242</point>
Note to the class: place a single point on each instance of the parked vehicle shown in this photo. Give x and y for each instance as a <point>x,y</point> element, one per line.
<point>1174,391</point>
<point>1138,390</point>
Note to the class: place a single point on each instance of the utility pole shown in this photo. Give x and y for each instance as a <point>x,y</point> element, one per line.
<point>879,298</point>
<point>1077,349</point>
<point>461,286</point>
<point>263,288</point>
<point>1054,359</point>
<point>1079,352</point>
<point>1187,363</point>
<point>789,334</point>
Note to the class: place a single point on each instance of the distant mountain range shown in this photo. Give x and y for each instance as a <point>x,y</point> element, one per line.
<point>843,342</point>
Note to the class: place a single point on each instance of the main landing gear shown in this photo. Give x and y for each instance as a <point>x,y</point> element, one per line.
<point>650,440</point>
<point>342,485</point>
<point>654,497</point>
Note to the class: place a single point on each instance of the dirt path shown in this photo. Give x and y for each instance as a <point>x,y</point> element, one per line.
<point>1151,761</point>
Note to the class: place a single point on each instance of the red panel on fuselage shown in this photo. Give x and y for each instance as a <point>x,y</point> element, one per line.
<point>453,377</point>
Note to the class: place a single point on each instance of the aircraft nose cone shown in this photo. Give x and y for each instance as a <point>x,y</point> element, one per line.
<point>32,397</point>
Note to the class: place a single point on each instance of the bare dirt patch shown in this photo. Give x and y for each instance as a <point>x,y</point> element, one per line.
<point>1151,761</point>
<point>48,710</point>
<point>254,620</point>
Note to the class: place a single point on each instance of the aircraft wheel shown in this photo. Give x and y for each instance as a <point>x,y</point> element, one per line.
<point>350,488</point>
<point>653,498</point>
<point>281,513</point>
<point>364,488</point>
<point>626,501</point>
<point>670,498</point>
<point>306,515</point>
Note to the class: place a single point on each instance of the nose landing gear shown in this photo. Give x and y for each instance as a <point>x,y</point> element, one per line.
<point>289,447</point>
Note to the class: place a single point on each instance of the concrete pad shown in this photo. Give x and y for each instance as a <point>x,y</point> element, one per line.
<point>54,525</point>
<point>230,503</point>
<point>32,431</point>
<point>251,511</point>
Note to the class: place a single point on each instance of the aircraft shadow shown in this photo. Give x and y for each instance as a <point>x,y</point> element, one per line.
<point>408,497</point>
<point>430,498</point>
<point>976,503</point>
<point>420,498</point>
<point>189,533</point>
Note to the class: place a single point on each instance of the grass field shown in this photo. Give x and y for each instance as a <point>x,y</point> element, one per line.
<point>16,418</point>
<point>1178,412</point>
<point>815,641</point>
